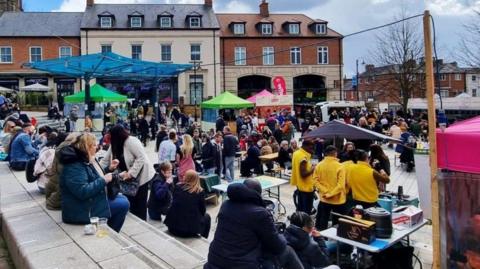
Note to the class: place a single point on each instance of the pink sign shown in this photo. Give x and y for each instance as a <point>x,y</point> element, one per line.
<point>279,85</point>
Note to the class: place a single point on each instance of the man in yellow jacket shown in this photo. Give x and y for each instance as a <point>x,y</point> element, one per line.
<point>302,176</point>
<point>329,178</point>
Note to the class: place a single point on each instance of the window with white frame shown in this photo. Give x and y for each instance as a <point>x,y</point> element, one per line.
<point>444,93</point>
<point>106,22</point>
<point>195,51</point>
<point>294,28</point>
<point>295,55</point>
<point>268,56</point>
<point>166,52</point>
<point>65,52</point>
<point>239,28</point>
<point>6,55</point>
<point>194,22</point>
<point>106,48</point>
<point>137,52</point>
<point>474,92</point>
<point>443,77</point>
<point>196,89</point>
<point>267,29</point>
<point>240,56</point>
<point>135,22</point>
<point>458,76</point>
<point>320,28</point>
<point>35,54</point>
<point>322,55</point>
<point>165,22</point>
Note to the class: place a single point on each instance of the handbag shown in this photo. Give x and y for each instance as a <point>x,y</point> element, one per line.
<point>130,187</point>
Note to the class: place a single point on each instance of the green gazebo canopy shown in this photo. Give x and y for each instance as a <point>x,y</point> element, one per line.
<point>227,100</point>
<point>97,94</point>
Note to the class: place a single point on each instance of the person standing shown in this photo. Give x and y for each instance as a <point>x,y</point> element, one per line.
<point>218,153</point>
<point>302,176</point>
<point>168,148</point>
<point>133,163</point>
<point>185,157</point>
<point>330,182</point>
<point>220,123</point>
<point>73,117</point>
<point>230,148</point>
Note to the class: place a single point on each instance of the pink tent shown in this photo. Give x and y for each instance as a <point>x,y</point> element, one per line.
<point>253,99</point>
<point>458,146</point>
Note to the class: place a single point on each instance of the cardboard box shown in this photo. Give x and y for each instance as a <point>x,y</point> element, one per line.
<point>407,216</point>
<point>359,230</point>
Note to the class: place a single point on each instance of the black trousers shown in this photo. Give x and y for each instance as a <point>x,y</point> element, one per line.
<point>204,229</point>
<point>323,214</point>
<point>305,201</point>
<point>138,203</point>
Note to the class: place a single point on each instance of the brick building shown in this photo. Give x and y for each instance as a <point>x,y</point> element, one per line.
<point>35,36</point>
<point>380,85</point>
<point>10,5</point>
<point>257,47</point>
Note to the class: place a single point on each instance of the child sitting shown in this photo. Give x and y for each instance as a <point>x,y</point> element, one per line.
<point>161,192</point>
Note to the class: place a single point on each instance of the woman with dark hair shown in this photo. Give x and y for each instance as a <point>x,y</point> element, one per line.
<point>379,161</point>
<point>345,154</point>
<point>127,155</point>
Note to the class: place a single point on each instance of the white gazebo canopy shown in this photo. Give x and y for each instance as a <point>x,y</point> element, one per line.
<point>37,87</point>
<point>3,90</point>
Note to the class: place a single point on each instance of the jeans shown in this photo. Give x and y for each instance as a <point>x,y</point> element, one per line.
<point>118,209</point>
<point>211,170</point>
<point>323,214</point>
<point>229,168</point>
<point>305,201</point>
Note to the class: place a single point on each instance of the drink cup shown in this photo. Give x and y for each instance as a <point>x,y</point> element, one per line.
<point>102,230</point>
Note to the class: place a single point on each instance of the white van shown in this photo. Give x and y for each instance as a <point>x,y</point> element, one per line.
<point>323,109</point>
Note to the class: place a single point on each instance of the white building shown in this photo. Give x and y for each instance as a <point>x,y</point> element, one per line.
<point>473,82</point>
<point>167,33</point>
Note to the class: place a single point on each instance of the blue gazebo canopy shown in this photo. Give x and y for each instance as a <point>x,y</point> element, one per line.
<point>108,65</point>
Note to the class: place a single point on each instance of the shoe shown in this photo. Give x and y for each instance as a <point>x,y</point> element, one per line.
<point>314,211</point>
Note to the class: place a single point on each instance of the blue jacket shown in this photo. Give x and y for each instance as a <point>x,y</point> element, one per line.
<point>83,190</point>
<point>160,197</point>
<point>22,149</point>
<point>245,232</point>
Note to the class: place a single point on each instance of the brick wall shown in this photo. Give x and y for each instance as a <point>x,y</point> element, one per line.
<point>21,49</point>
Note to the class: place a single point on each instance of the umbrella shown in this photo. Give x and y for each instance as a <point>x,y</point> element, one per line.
<point>339,129</point>
<point>98,94</point>
<point>37,87</point>
<point>227,100</point>
<point>3,89</point>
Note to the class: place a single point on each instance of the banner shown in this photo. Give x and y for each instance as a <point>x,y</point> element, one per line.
<point>279,85</point>
<point>275,100</point>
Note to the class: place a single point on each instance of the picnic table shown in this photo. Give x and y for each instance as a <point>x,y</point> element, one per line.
<point>269,157</point>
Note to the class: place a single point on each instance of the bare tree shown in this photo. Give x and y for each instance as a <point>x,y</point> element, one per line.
<point>469,47</point>
<point>398,50</point>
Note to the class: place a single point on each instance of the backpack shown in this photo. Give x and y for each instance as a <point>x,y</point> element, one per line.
<point>29,169</point>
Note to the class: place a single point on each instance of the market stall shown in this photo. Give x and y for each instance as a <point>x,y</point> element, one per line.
<point>457,148</point>
<point>226,100</point>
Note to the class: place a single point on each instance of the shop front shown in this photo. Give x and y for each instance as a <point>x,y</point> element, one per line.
<point>65,87</point>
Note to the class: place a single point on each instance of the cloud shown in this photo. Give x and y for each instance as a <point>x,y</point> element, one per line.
<point>453,7</point>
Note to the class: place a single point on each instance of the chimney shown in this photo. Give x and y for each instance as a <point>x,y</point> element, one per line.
<point>264,9</point>
<point>369,67</point>
<point>208,3</point>
<point>90,3</point>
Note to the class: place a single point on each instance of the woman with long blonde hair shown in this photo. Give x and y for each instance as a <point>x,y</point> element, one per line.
<point>185,158</point>
<point>187,216</point>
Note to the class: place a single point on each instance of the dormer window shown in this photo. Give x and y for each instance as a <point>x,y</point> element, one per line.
<point>165,22</point>
<point>106,22</point>
<point>239,28</point>
<point>136,22</point>
<point>267,29</point>
<point>294,28</point>
<point>194,22</point>
<point>320,28</point>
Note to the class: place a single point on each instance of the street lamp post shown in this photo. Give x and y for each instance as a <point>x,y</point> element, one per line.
<point>357,86</point>
<point>195,88</point>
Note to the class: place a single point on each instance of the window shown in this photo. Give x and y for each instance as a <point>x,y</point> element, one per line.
<point>6,55</point>
<point>35,54</point>
<point>474,78</point>
<point>194,22</point>
<point>322,55</point>
<point>239,28</point>
<point>474,92</point>
<point>268,56</point>
<point>295,56</point>
<point>165,22</point>
<point>106,22</point>
<point>195,52</point>
<point>266,29</point>
<point>320,28</point>
<point>166,53</point>
<point>443,77</point>
<point>444,93</point>
<point>458,76</point>
<point>106,48</point>
<point>196,89</point>
<point>294,28</point>
<point>136,22</point>
<point>65,52</point>
<point>240,56</point>
<point>137,52</point>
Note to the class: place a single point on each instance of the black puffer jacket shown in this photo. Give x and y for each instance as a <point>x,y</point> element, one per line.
<point>245,232</point>
<point>311,251</point>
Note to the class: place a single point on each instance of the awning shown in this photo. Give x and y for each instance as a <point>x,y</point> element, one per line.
<point>3,89</point>
<point>97,94</point>
<point>37,87</point>
<point>227,100</point>
<point>253,98</point>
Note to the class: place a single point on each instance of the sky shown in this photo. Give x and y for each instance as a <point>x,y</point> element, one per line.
<point>344,16</point>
